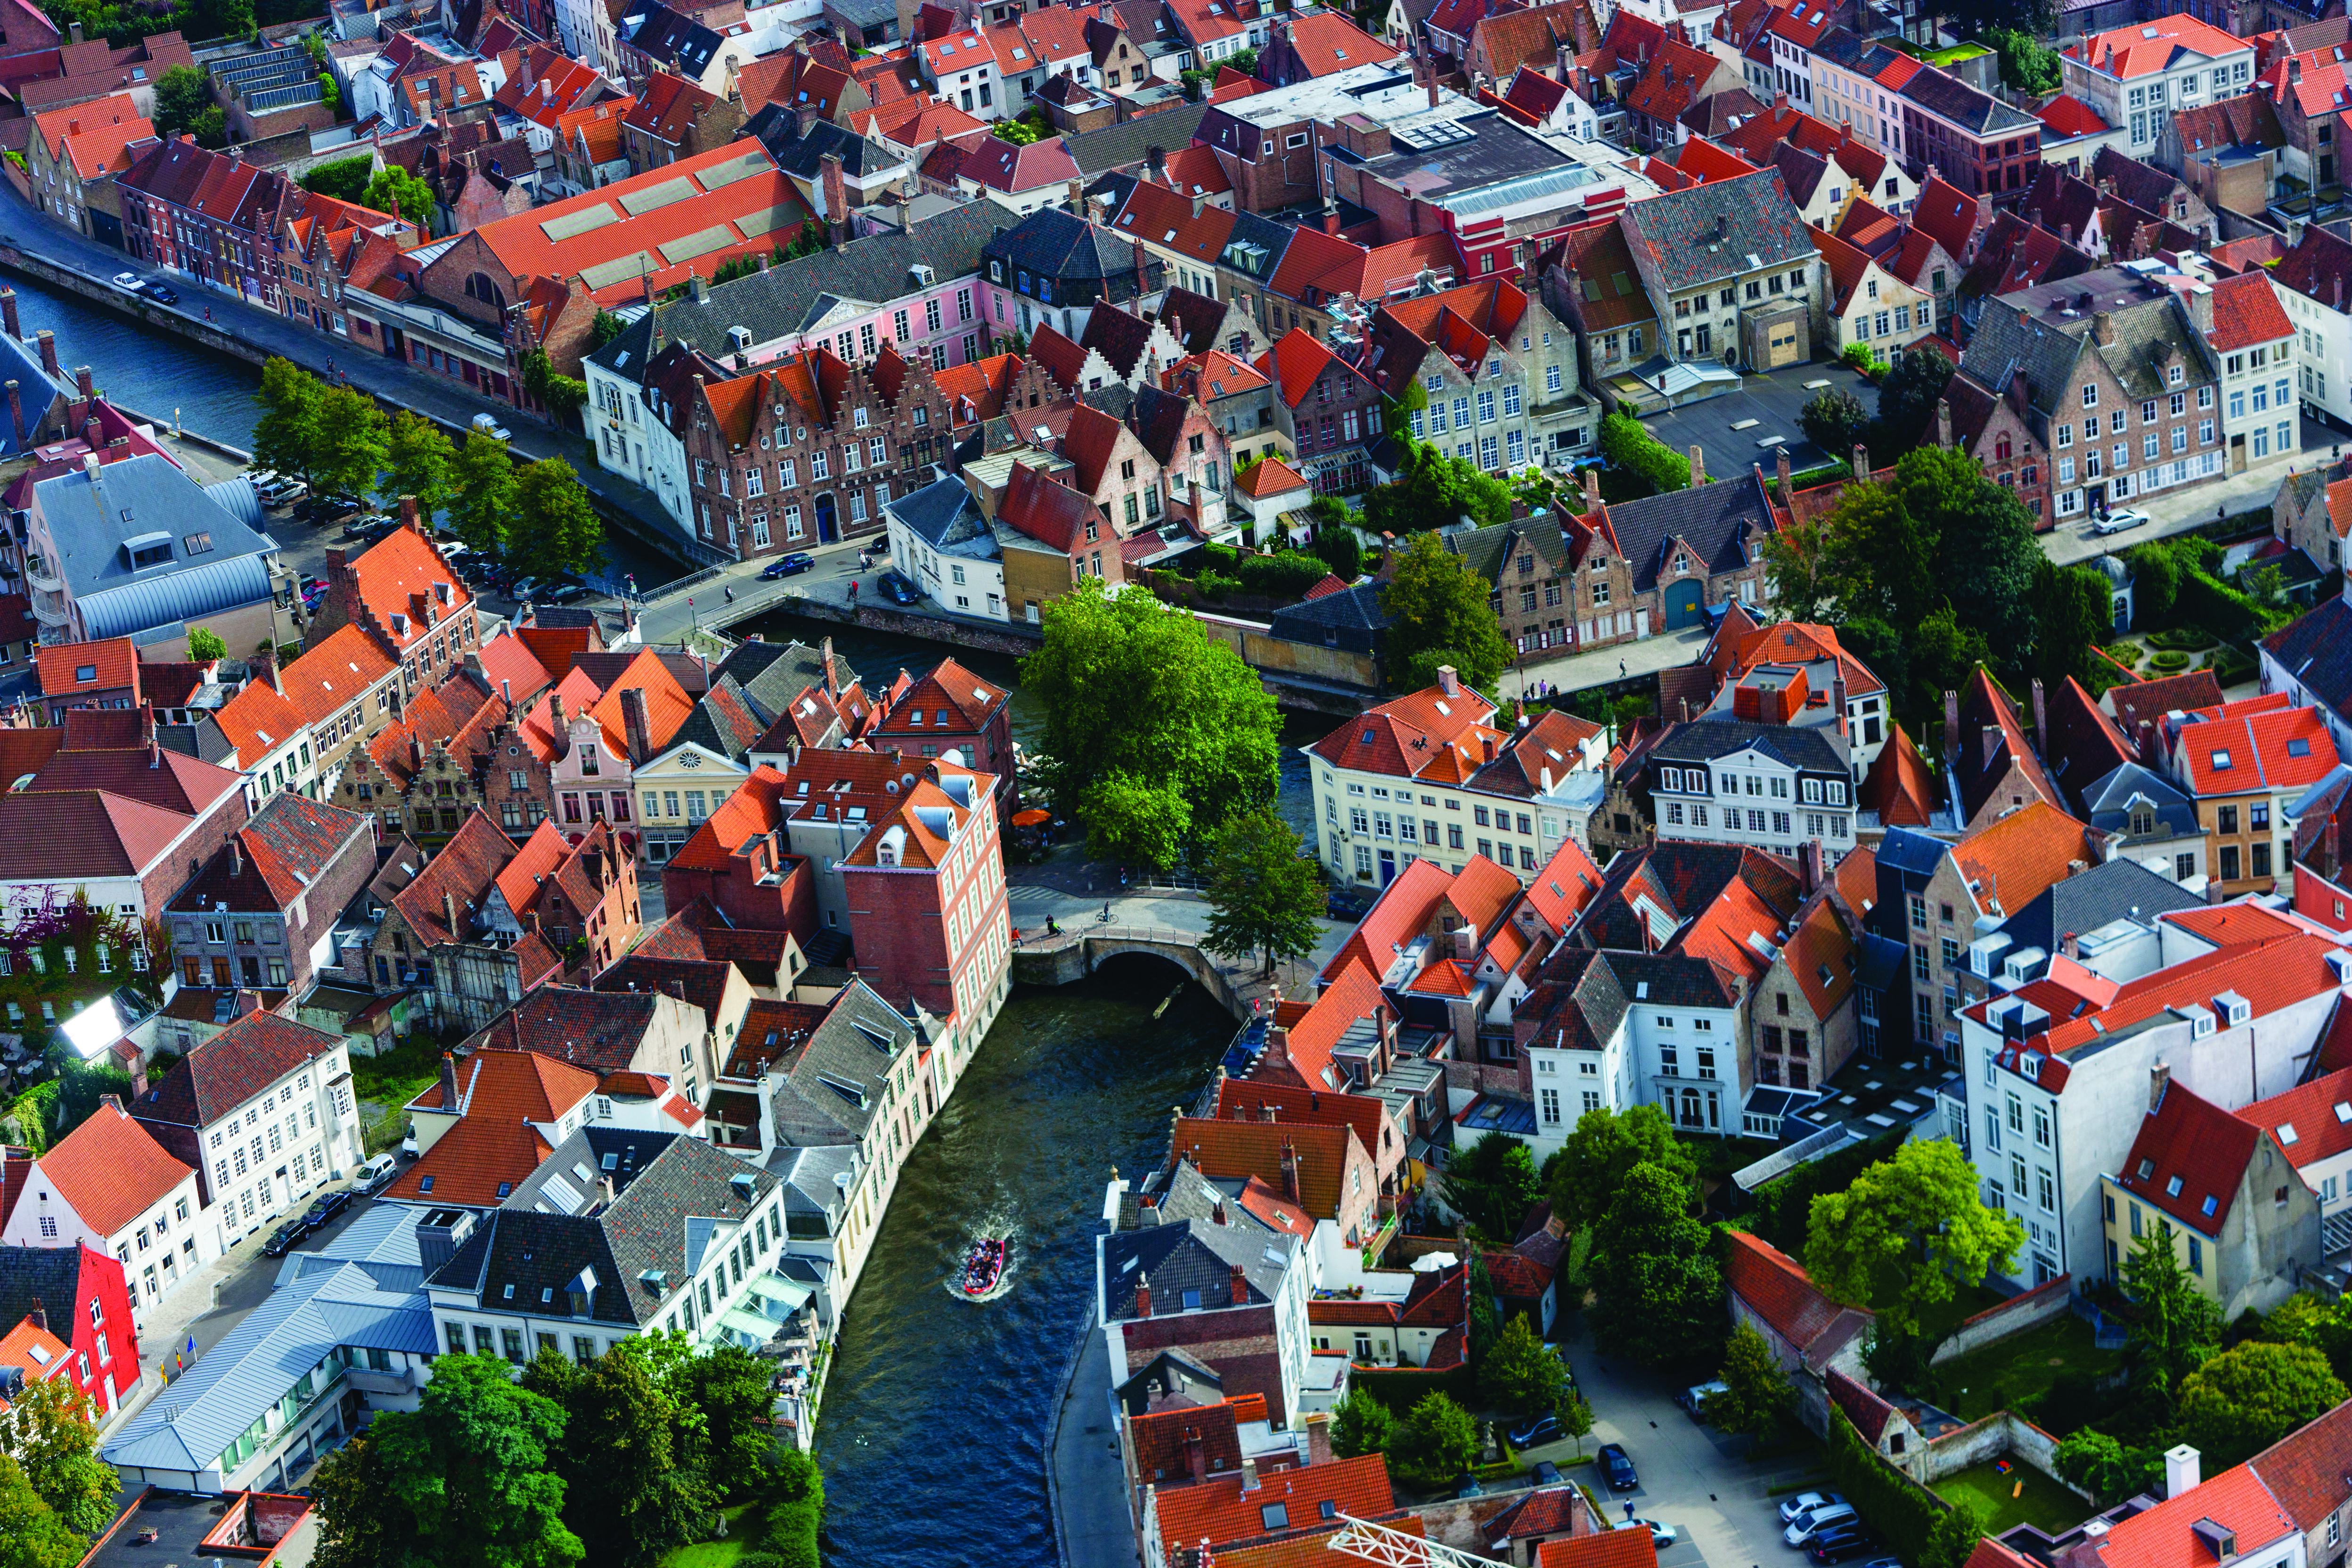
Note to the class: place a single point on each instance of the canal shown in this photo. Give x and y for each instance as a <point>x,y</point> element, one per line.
<point>163,377</point>
<point>935,1420</point>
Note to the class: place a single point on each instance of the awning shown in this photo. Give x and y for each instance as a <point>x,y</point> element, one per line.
<point>752,1326</point>
<point>788,1294</point>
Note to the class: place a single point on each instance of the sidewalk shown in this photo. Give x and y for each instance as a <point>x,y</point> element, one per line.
<point>1083,1476</point>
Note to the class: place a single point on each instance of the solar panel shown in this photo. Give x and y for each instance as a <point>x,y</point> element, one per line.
<point>702,242</point>
<point>764,221</point>
<point>605,274</point>
<point>572,225</point>
<point>728,171</point>
<point>653,197</point>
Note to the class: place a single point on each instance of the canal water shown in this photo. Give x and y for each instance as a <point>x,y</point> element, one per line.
<point>936,1415</point>
<point>163,377</point>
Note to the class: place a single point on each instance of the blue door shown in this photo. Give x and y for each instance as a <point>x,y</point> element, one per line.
<point>1388,867</point>
<point>1682,602</point>
<point>826,529</point>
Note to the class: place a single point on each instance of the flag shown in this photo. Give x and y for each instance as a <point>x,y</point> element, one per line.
<point>192,1344</point>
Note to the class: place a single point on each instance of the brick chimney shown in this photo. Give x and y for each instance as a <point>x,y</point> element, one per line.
<point>836,195</point>
<point>1779,470</point>
<point>49,353</point>
<point>86,384</point>
<point>1239,1286</point>
<point>412,516</point>
<point>1142,1296</point>
<point>1448,681</point>
<point>264,665</point>
<point>1318,1438</point>
<point>1196,1457</point>
<point>1943,422</point>
<point>2103,324</point>
<point>1289,1172</point>
<point>640,729</point>
<point>1861,461</point>
<point>8,313</point>
<point>1809,867</point>
<point>2040,718</point>
<point>558,723</point>
<point>449,1081</point>
<point>1698,466</point>
<point>16,411</point>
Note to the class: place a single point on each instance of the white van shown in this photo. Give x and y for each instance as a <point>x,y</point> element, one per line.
<point>1694,1399</point>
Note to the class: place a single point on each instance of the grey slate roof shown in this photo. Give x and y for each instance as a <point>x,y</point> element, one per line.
<point>2113,891</point>
<point>808,1177</point>
<point>771,674</point>
<point>2106,804</point>
<point>217,558</point>
<point>654,1223</point>
<point>2315,651</point>
<point>1717,522</point>
<point>943,515</point>
<point>774,304</point>
<point>677,41</point>
<point>711,727</point>
<point>1124,146</point>
<point>2035,336</point>
<point>833,1089</point>
<point>1489,550</point>
<point>1050,243</point>
<point>1252,234</point>
<point>1191,1255</point>
<point>20,362</point>
<point>1941,93</point>
<point>1720,229</point>
<point>801,152</point>
<point>1353,619</point>
<point>1814,749</point>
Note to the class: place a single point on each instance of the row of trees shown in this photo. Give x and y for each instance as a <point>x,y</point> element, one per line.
<point>610,1465</point>
<point>336,440</point>
<point>1949,557</point>
<point>55,1493</point>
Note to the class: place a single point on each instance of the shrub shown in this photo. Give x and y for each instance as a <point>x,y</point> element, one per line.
<point>1216,585</point>
<point>2188,639</point>
<point>1903,1511</point>
<point>2171,661</point>
<point>759,1560</point>
<point>1286,575</point>
<point>1221,557</point>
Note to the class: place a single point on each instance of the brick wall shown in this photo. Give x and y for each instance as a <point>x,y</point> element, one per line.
<point>1239,1345</point>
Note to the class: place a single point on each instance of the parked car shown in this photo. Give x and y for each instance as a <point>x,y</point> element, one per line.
<point>163,294</point>
<point>326,1206</point>
<point>372,1175</point>
<point>569,593</point>
<point>1661,1535</point>
<point>1468,1486</point>
<point>1546,1473</point>
<point>1348,904</point>
<point>1617,1468</point>
<point>1694,1399</point>
<point>323,509</point>
<point>284,1237</point>
<point>522,588</point>
<point>1836,1546</point>
<point>1814,1521</point>
<point>2117,521</point>
<point>1805,1502</point>
<point>898,589</point>
<point>1542,1429</point>
<point>487,424</point>
<point>786,565</point>
<point>1884,1562</point>
<point>131,282</point>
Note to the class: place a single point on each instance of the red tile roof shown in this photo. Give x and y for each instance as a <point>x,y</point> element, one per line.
<point>2248,745</point>
<point>512,1086</point>
<point>335,674</point>
<point>2310,1122</point>
<point>2304,1471</point>
<point>2013,858</point>
<point>402,574</point>
<point>2143,48</point>
<point>1269,478</point>
<point>1165,1441</point>
<point>1608,1549</point>
<point>1778,1291</point>
<point>1222,1514</point>
<point>109,1170</point>
<point>1326,42</point>
<point>477,1162</point>
<point>1229,1151</point>
<point>2246,311</point>
<point>113,665</point>
<point>2165,1536</point>
<point>223,1072</point>
<point>1313,1551</point>
<point>257,720</point>
<point>2069,116</point>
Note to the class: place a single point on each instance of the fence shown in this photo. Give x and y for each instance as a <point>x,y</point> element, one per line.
<point>2014,1316</point>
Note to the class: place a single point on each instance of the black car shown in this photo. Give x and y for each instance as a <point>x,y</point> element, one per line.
<point>162,293</point>
<point>899,591</point>
<point>569,593</point>
<point>1542,1429</point>
<point>284,1237</point>
<point>1617,1468</point>
<point>786,565</point>
<point>320,510</point>
<point>326,1206</point>
<point>1836,1545</point>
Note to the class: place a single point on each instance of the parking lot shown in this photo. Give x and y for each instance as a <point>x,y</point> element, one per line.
<point>1736,429</point>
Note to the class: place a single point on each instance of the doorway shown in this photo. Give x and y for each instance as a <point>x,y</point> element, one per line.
<point>828,528</point>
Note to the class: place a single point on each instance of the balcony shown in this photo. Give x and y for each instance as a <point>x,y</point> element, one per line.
<point>368,1381</point>
<point>51,610</point>
<point>42,573</point>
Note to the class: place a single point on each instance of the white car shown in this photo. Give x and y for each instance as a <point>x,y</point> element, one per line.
<point>374,1174</point>
<point>1812,1521</point>
<point>130,282</point>
<point>1805,1502</point>
<point>2117,521</point>
<point>488,425</point>
<point>1661,1535</point>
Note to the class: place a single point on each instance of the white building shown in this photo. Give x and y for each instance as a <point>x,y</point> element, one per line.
<point>1768,785</point>
<point>2254,340</point>
<point>2136,76</point>
<point>941,540</point>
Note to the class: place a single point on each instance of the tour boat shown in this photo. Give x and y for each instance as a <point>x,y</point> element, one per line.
<point>983,1266</point>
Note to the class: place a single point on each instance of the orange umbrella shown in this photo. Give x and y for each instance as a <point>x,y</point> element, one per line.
<point>1031,818</point>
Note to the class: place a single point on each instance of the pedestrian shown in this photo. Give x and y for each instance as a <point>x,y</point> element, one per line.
<point>1628,1511</point>
<point>731,593</point>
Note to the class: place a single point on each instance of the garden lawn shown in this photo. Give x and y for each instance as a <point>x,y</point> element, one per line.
<point>2044,1504</point>
<point>718,1554</point>
<point>2000,1376</point>
<point>1941,1319</point>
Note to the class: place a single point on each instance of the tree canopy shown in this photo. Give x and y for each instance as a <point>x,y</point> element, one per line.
<point>1157,734</point>
<point>399,193</point>
<point>1519,1373</point>
<point>2177,1325</point>
<point>484,482</point>
<point>51,1428</point>
<point>1264,895</point>
<point>2243,1399</point>
<point>1639,463</point>
<point>555,528</point>
<point>1436,491</point>
<point>31,1534</point>
<point>1756,1395</point>
<point>1361,1424</point>
<point>1492,1184</point>
<point>353,439</point>
<point>1438,615</point>
<point>1907,394</point>
<point>286,437</point>
<point>1660,1290</point>
<point>420,461</point>
<point>184,107</point>
<point>1584,1174</point>
<point>1907,1232</point>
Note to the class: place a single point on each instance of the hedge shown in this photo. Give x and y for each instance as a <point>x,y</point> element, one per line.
<point>794,1509</point>
<point>1402,1388</point>
<point>1903,1511</point>
<point>2171,661</point>
<point>2186,640</point>
<point>1285,575</point>
<point>2206,601</point>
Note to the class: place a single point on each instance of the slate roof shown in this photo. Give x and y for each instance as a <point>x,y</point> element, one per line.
<point>2047,345</point>
<point>1717,521</point>
<point>833,1085</point>
<point>1191,1255</point>
<point>223,1072</point>
<point>2080,904</point>
<point>1124,146</point>
<point>282,849</point>
<point>1677,230</point>
<point>216,556</point>
<point>2107,802</point>
<point>1812,748</point>
<point>1940,93</point>
<point>649,1226</point>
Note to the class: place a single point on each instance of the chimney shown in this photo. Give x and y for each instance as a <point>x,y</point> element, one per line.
<point>39,1315</point>
<point>49,353</point>
<point>1698,467</point>
<point>836,195</point>
<point>2103,324</point>
<point>16,409</point>
<point>1943,422</point>
<point>412,516</point>
<point>449,909</point>
<point>1289,1171</point>
<point>1249,1476</point>
<point>2040,719</point>
<point>2181,1471</point>
<point>1780,465</point>
<point>264,665</point>
<point>1332,223</point>
<point>8,313</point>
<point>1448,681</point>
<point>1318,1438</point>
<point>1861,461</point>
<point>2159,1077</point>
<point>2147,742</point>
<point>1951,723</point>
<point>1142,1296</point>
<point>1196,1459</point>
<point>449,1081</point>
<point>86,382</point>
<point>1239,1286</point>
<point>557,723</point>
<point>1809,867</point>
<point>1157,158</point>
<point>640,728</point>
<point>1592,487</point>
<point>1143,274</point>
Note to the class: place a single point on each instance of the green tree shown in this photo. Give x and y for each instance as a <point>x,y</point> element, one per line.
<point>1441,1435</point>
<point>1436,491</point>
<point>1485,1322</point>
<point>1639,463</point>
<point>1438,615</point>
<point>1263,896</point>
<point>1361,1424</point>
<point>1836,422</point>
<point>2027,64</point>
<point>1908,396</point>
<point>353,438</point>
<point>2107,1469</point>
<point>1943,652</point>
<point>2073,613</point>
<point>51,1428</point>
<point>1584,1174</point>
<point>398,193</point>
<point>1492,1184</point>
<point>633,1481</point>
<point>330,94</point>
<point>31,1534</point>
<point>205,644</point>
<point>233,19</point>
<point>465,1481</point>
<point>345,179</point>
<point>1244,62</point>
<point>729,1388</point>
<point>1985,552</point>
<point>1575,1417</point>
<point>286,438</point>
<point>1756,1396</point>
<point>181,97</point>
<point>1660,1292</point>
<point>1339,548</point>
<point>562,396</point>
<point>604,327</point>
<point>2178,1326</point>
<point>1158,734</point>
<point>1520,1374</point>
<point>556,526</point>
<point>1907,1232</point>
<point>485,480</point>
<point>2245,1398</point>
<point>2155,583</point>
<point>1953,1536</point>
<point>795,1507</point>
<point>1866,559</point>
<point>420,461</point>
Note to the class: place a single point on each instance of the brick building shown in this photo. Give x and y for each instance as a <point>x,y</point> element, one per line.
<point>1973,139</point>
<point>264,904</point>
<point>952,711</point>
<point>75,155</point>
